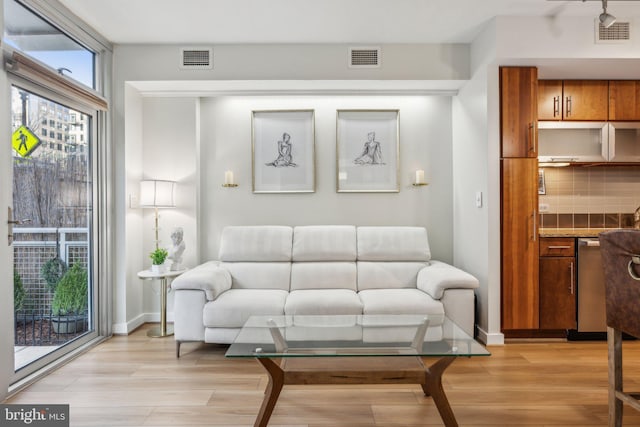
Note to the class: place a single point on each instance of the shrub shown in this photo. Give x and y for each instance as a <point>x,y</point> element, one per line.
<point>52,271</point>
<point>18,292</point>
<point>71,295</point>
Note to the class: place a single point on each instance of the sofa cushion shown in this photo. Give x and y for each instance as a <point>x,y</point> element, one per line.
<point>320,328</point>
<point>388,275</point>
<point>323,275</point>
<point>235,306</point>
<point>256,243</point>
<point>324,243</point>
<point>399,301</point>
<point>393,244</point>
<point>323,301</point>
<point>259,275</point>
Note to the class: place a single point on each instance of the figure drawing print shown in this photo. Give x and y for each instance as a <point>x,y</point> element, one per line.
<point>371,152</point>
<point>284,158</point>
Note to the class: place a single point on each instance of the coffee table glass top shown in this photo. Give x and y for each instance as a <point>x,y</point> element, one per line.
<point>353,335</point>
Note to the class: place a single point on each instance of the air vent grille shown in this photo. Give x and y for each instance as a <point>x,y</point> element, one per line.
<point>364,57</point>
<point>196,59</point>
<point>619,32</point>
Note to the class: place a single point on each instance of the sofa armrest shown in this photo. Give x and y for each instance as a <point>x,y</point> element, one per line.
<point>438,276</point>
<point>209,277</point>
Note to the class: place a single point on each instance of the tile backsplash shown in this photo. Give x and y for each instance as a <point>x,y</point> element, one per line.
<point>589,197</point>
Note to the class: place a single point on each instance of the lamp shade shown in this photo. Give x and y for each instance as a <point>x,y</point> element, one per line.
<point>157,194</point>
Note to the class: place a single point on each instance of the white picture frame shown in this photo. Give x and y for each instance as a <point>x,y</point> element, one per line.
<point>367,151</point>
<point>283,151</point>
<point>542,187</point>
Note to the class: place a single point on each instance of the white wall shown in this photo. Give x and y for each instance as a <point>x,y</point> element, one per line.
<point>474,161</point>
<point>128,295</point>
<point>561,38</point>
<point>137,68</point>
<point>425,143</point>
<point>169,153</point>
<point>560,49</point>
<point>296,62</point>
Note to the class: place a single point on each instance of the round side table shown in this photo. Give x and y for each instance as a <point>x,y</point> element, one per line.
<point>163,330</point>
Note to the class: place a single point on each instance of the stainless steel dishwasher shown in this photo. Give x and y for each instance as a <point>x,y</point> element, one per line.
<point>591,303</point>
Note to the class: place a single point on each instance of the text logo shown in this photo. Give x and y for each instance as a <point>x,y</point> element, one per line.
<point>34,415</point>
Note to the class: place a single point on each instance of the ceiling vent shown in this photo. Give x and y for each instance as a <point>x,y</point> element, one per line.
<point>364,57</point>
<point>196,59</point>
<point>619,32</point>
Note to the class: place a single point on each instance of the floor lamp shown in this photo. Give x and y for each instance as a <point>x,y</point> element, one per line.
<point>157,194</point>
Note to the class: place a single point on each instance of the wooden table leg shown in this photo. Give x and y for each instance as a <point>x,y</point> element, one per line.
<point>433,388</point>
<point>276,381</point>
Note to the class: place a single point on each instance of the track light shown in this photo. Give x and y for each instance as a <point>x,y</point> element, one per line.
<point>606,19</point>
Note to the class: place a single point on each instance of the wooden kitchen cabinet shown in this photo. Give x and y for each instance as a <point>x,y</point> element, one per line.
<point>550,100</point>
<point>624,100</point>
<point>557,283</point>
<point>586,100</point>
<point>520,244</point>
<point>519,111</point>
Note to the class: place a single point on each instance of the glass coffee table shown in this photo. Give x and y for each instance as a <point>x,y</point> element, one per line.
<point>354,349</point>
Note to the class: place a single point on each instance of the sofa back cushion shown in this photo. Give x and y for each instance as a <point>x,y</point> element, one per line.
<point>323,275</point>
<point>388,275</point>
<point>393,244</point>
<point>262,243</point>
<point>324,243</point>
<point>259,275</point>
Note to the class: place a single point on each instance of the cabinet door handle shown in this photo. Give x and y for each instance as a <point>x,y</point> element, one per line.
<point>532,138</point>
<point>559,247</point>
<point>572,274</point>
<point>556,106</point>
<point>533,223</point>
<point>568,109</point>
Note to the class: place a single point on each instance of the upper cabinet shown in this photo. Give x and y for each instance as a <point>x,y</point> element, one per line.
<point>550,100</point>
<point>573,100</point>
<point>624,100</point>
<point>519,111</point>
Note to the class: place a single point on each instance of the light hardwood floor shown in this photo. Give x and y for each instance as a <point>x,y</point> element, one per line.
<point>137,381</point>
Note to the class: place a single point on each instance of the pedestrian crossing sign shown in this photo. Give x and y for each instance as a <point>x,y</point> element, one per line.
<point>24,141</point>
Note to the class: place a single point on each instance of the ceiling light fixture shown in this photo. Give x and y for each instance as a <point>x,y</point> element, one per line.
<point>606,19</point>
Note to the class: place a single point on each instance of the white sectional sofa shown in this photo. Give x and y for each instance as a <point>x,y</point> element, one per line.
<point>310,270</point>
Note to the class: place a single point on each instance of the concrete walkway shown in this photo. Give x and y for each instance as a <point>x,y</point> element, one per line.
<point>27,354</point>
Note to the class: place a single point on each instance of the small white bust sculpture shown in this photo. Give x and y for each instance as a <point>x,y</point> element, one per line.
<point>176,251</point>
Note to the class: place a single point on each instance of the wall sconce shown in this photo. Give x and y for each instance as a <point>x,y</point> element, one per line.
<point>157,194</point>
<point>419,178</point>
<point>228,180</point>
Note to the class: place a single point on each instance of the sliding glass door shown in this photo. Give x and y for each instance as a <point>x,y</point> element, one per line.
<point>52,231</point>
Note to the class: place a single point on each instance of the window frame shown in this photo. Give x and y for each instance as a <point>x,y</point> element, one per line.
<point>74,95</point>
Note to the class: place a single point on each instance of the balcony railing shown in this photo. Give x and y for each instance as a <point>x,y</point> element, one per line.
<point>33,247</point>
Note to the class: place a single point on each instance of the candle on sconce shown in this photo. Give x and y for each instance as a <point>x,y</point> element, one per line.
<point>228,178</point>
<point>419,176</point>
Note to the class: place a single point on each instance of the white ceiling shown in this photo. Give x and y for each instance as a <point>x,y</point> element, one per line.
<point>317,21</point>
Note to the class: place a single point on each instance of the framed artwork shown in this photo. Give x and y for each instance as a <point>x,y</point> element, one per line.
<point>283,151</point>
<point>367,147</point>
<point>542,188</point>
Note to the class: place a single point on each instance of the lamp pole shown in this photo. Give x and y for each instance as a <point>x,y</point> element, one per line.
<point>156,228</point>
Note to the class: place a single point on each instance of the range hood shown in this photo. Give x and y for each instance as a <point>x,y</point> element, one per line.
<point>588,142</point>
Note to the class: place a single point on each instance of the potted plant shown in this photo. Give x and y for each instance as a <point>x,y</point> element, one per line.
<point>158,257</point>
<point>70,301</point>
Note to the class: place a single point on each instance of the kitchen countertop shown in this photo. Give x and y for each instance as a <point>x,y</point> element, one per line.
<point>572,232</point>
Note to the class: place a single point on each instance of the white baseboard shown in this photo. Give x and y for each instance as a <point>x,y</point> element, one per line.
<point>128,327</point>
<point>490,338</point>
